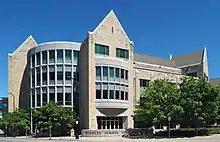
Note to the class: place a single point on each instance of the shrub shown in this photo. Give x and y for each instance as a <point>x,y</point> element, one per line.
<point>214,131</point>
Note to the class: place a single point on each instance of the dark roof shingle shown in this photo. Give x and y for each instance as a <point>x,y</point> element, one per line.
<point>188,59</point>
<point>154,60</point>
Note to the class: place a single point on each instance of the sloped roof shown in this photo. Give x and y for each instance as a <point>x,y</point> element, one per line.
<point>154,60</point>
<point>215,81</point>
<point>188,59</point>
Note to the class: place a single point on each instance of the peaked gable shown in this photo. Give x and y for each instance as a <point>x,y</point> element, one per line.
<point>110,24</point>
<point>26,45</point>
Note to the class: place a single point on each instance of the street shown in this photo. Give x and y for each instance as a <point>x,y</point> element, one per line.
<point>214,138</point>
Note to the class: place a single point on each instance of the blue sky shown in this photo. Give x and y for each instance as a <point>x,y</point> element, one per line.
<point>157,27</point>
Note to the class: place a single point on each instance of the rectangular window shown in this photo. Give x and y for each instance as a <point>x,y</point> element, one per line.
<point>105,71</point>
<point>122,95</point>
<point>44,57</point>
<point>68,56</point>
<point>117,72</point>
<point>111,69</point>
<point>38,58</point>
<point>33,60</point>
<point>33,98</point>
<point>59,56</point>
<point>122,74</point>
<point>122,53</point>
<point>68,75</point>
<point>33,77</point>
<point>98,94</point>
<point>144,83</point>
<point>51,56</point>
<point>67,98</point>
<point>98,71</point>
<point>111,94</point>
<point>117,94</point>
<point>44,75</point>
<point>126,95</point>
<point>126,74</point>
<point>52,97</point>
<point>44,95</point>
<point>38,99</point>
<point>193,74</point>
<point>60,75</point>
<point>60,98</point>
<point>105,94</point>
<point>38,76</point>
<point>101,49</point>
<point>76,55</point>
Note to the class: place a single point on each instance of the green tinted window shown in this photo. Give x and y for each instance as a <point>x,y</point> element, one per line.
<point>122,53</point>
<point>101,49</point>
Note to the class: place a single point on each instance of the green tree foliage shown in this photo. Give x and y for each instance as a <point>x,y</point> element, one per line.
<point>199,100</point>
<point>59,118</point>
<point>159,100</point>
<point>15,123</point>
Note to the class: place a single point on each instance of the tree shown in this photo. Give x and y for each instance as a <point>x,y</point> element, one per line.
<point>58,118</point>
<point>160,101</point>
<point>15,123</point>
<point>199,100</point>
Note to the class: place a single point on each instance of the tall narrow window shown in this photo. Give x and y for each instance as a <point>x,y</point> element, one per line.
<point>52,94</point>
<point>126,95</point>
<point>111,72</point>
<point>59,56</point>
<point>51,74</point>
<point>38,98</point>
<point>68,56</point>
<point>122,74</point>
<point>38,58</point>
<point>33,77</point>
<point>126,74</point>
<point>98,94</point>
<point>117,94</point>
<point>44,57</point>
<point>105,71</point>
<point>59,74</point>
<point>122,95</point>
<point>105,94</point>
<point>111,94</point>
<point>38,76</point>
<point>33,60</point>
<point>117,72</point>
<point>60,95</point>
<point>44,75</point>
<point>67,98</point>
<point>51,56</point>
<point>76,55</point>
<point>33,97</point>
<point>44,96</point>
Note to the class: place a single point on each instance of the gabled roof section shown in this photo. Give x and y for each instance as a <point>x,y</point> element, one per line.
<point>111,15</point>
<point>188,59</point>
<point>215,81</point>
<point>154,60</point>
<point>30,38</point>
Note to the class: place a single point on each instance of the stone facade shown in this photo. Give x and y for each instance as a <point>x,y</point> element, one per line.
<point>18,78</point>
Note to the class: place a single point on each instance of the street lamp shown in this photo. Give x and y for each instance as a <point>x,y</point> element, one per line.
<point>169,119</point>
<point>76,98</point>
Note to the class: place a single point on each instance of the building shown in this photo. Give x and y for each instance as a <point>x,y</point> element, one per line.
<point>3,106</point>
<point>110,76</point>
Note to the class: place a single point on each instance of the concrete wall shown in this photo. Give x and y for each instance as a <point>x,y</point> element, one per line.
<point>18,78</point>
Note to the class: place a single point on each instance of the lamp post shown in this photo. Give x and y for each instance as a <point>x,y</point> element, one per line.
<point>75,94</point>
<point>169,119</point>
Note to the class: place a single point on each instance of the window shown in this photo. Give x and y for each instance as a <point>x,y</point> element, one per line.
<point>44,75</point>
<point>109,122</point>
<point>33,98</point>
<point>60,98</point>
<point>44,57</point>
<point>51,56</point>
<point>38,99</point>
<point>44,98</point>
<point>33,60</point>
<point>51,74</point>
<point>38,76</point>
<point>98,71</point>
<point>98,94</point>
<point>52,97</point>
<point>122,74</point>
<point>111,94</point>
<point>105,94</point>
<point>76,55</point>
<point>59,56</point>
<point>101,49</point>
<point>122,53</point>
<point>67,98</point>
<point>111,69</point>
<point>33,77</point>
<point>38,58</point>
<point>122,95</point>
<point>193,74</point>
<point>68,75</point>
<point>126,74</point>
<point>68,56</point>
<point>144,83</point>
<point>117,94</point>
<point>60,75</point>
<point>105,71</point>
<point>117,72</point>
<point>126,95</point>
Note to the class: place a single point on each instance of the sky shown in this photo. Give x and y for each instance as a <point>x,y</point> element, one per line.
<point>157,27</point>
